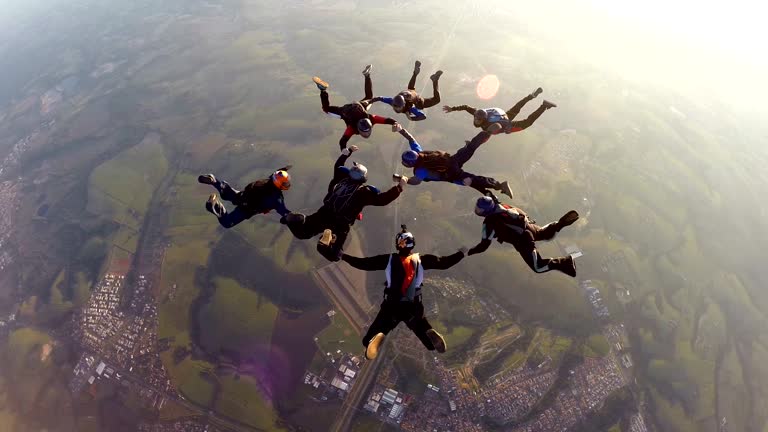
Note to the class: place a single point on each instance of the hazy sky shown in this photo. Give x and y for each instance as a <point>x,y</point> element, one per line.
<point>701,47</point>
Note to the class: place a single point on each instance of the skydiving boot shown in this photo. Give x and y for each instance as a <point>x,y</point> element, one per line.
<point>437,340</point>
<point>547,104</point>
<point>322,85</point>
<point>327,238</point>
<point>564,264</point>
<point>506,189</point>
<point>373,346</point>
<point>436,76</point>
<point>215,206</point>
<point>417,67</point>
<point>536,92</point>
<point>206,179</point>
<point>567,219</point>
<point>367,70</point>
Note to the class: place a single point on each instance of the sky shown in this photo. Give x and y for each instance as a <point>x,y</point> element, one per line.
<point>702,48</point>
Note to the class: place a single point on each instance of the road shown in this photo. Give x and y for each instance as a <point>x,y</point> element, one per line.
<point>364,381</point>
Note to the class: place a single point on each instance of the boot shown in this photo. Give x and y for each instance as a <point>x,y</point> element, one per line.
<point>436,76</point>
<point>417,67</point>
<point>215,206</point>
<point>327,238</point>
<point>437,340</point>
<point>567,219</point>
<point>321,85</point>
<point>506,189</point>
<point>206,179</point>
<point>547,104</point>
<point>536,92</point>
<point>367,70</point>
<point>564,264</point>
<point>373,346</point>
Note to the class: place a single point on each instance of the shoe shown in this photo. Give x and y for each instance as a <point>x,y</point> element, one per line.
<point>417,67</point>
<point>565,265</point>
<point>373,346</point>
<point>322,85</point>
<point>437,340</point>
<point>547,104</point>
<point>537,92</point>
<point>327,238</point>
<point>506,189</point>
<point>567,219</point>
<point>367,70</point>
<point>214,206</point>
<point>436,76</point>
<point>206,179</point>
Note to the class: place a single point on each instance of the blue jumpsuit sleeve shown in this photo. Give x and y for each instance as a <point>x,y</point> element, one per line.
<point>386,100</point>
<point>280,207</point>
<point>421,173</point>
<point>416,114</point>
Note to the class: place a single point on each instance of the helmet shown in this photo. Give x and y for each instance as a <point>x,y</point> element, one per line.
<point>281,179</point>
<point>404,239</point>
<point>484,206</point>
<point>365,127</point>
<point>398,103</point>
<point>409,158</point>
<point>358,172</point>
<point>480,117</point>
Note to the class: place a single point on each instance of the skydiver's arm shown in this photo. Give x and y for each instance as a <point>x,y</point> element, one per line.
<point>378,262</point>
<point>415,114</point>
<point>411,140</point>
<point>414,180</point>
<point>480,248</point>
<point>338,172</point>
<point>466,108</point>
<point>375,119</point>
<point>386,100</point>
<point>348,132</point>
<point>280,208</point>
<point>432,262</point>
<point>383,198</point>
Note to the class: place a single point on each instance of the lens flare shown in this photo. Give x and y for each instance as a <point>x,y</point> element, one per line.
<point>487,87</point>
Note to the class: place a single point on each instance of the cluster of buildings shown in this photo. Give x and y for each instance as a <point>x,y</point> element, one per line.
<point>100,320</point>
<point>595,299</point>
<point>337,378</point>
<point>516,394</point>
<point>637,424</point>
<point>187,425</point>
<point>589,385</point>
<point>389,404</point>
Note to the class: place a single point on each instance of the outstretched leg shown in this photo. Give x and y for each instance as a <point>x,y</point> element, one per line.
<point>416,70</point>
<point>527,249</point>
<point>419,324</point>
<point>548,231</point>
<point>464,154</point>
<point>306,227</point>
<point>385,321</point>
<point>435,99</point>
<point>482,184</point>
<point>368,87</point>
<point>228,193</point>
<point>326,104</point>
<point>515,110</point>
<point>516,126</point>
<point>334,250</point>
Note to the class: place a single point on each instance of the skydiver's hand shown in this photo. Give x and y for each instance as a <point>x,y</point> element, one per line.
<point>494,128</point>
<point>467,181</point>
<point>402,182</point>
<point>353,148</point>
<point>447,109</point>
<point>397,127</point>
<point>463,250</point>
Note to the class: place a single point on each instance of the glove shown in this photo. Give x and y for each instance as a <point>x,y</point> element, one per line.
<point>467,181</point>
<point>402,181</point>
<point>397,127</point>
<point>447,109</point>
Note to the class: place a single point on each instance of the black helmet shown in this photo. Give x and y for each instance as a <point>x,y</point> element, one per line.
<point>480,117</point>
<point>365,127</point>
<point>398,103</point>
<point>404,240</point>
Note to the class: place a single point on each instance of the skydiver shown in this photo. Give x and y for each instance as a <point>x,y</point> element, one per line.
<point>508,224</point>
<point>433,165</point>
<point>347,195</point>
<point>354,114</point>
<point>409,102</point>
<point>495,120</point>
<point>260,196</point>
<point>402,295</point>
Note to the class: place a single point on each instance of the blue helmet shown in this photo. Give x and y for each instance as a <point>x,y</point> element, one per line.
<point>409,158</point>
<point>484,206</point>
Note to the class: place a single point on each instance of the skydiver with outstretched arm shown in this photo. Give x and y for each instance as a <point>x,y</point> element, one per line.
<point>354,114</point>
<point>433,165</point>
<point>509,224</point>
<point>402,294</point>
<point>260,196</point>
<point>348,193</point>
<point>496,120</point>
<point>409,102</point>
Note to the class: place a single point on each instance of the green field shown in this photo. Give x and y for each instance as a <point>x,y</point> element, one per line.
<point>236,320</point>
<point>339,335</point>
<point>241,399</point>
